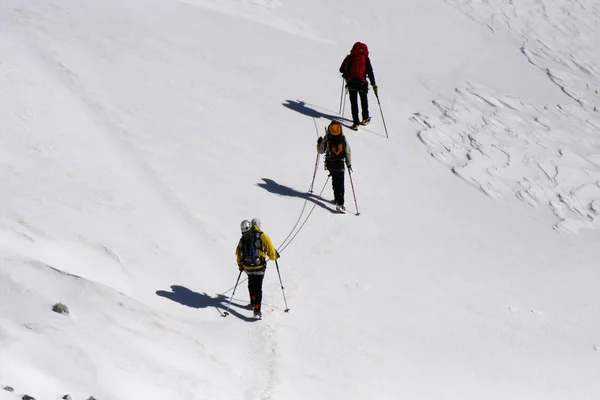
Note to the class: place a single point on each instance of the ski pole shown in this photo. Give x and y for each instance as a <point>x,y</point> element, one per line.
<point>341,96</point>
<point>353,192</point>
<point>344,106</point>
<point>282,291</point>
<point>314,174</point>
<point>226,313</point>
<point>383,119</point>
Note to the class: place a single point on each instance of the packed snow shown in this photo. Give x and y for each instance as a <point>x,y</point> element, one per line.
<point>137,135</point>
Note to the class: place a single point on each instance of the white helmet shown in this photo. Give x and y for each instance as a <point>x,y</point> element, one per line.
<point>256,221</point>
<point>245,226</point>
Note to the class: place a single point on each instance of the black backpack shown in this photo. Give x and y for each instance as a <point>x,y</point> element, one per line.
<point>250,246</point>
<point>335,152</point>
<point>336,147</point>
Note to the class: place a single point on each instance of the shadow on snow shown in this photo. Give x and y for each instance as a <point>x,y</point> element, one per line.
<point>302,108</point>
<point>189,298</point>
<point>273,187</point>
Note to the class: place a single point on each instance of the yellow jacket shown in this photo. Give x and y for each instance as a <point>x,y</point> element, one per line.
<point>267,250</point>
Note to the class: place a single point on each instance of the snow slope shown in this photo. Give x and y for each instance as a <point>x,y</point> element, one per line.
<point>136,135</point>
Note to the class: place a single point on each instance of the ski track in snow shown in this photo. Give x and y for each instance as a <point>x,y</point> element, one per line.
<point>259,376</point>
<point>545,155</point>
<point>263,347</point>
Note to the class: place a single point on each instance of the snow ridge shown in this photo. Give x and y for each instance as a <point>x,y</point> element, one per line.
<point>502,145</point>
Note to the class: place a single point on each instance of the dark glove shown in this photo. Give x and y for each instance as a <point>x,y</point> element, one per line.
<point>276,252</point>
<point>240,268</point>
<point>374,88</point>
<point>350,168</point>
<point>319,140</point>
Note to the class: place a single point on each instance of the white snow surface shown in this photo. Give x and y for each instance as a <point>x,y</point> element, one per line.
<point>137,135</point>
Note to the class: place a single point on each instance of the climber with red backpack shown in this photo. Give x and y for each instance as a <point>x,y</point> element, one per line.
<point>355,69</point>
<point>337,153</point>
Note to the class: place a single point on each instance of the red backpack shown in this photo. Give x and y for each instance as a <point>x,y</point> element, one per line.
<point>358,64</point>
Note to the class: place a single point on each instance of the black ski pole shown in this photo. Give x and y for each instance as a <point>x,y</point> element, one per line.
<point>314,174</point>
<point>226,313</point>
<point>282,290</point>
<point>383,119</point>
<point>353,192</point>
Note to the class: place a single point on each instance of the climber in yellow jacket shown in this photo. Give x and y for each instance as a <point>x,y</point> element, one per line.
<point>251,253</point>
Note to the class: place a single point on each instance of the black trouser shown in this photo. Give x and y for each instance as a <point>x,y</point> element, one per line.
<point>255,288</point>
<point>337,181</point>
<point>364,103</point>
